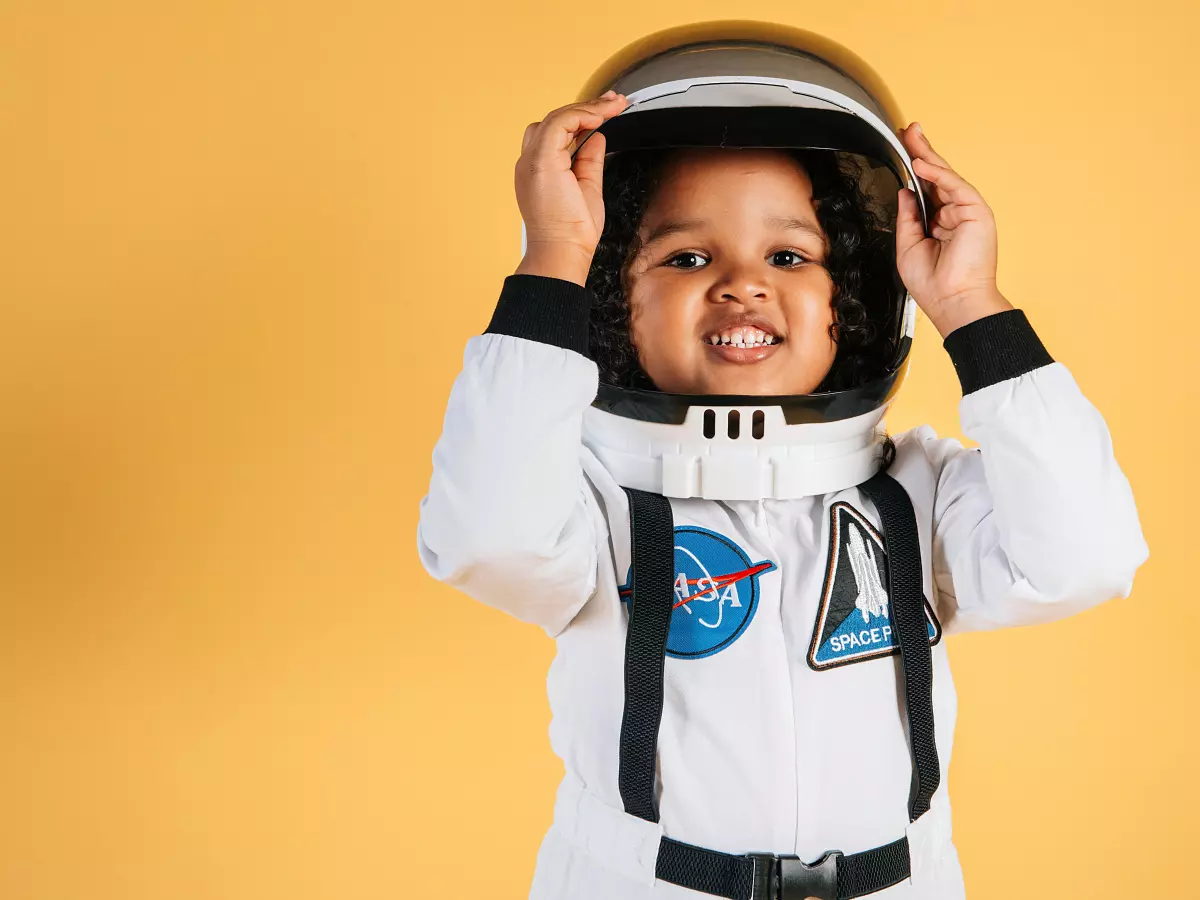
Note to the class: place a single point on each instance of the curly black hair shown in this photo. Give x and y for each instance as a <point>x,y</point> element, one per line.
<point>860,263</point>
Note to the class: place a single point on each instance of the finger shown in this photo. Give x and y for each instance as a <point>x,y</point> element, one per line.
<point>560,127</point>
<point>566,107</point>
<point>954,214</point>
<point>589,162</point>
<point>556,135</point>
<point>918,146</point>
<point>951,187</point>
<point>530,131</point>
<point>909,230</point>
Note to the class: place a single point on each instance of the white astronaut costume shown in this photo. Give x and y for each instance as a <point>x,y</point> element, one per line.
<point>785,725</point>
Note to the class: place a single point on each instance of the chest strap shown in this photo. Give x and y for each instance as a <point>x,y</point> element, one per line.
<point>766,876</point>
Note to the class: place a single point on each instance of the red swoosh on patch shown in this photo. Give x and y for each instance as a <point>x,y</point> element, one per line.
<point>717,583</point>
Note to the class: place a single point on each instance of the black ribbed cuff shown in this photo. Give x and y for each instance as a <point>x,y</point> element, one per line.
<point>546,309</point>
<point>995,348</point>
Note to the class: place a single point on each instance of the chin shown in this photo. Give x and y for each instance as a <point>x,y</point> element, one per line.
<point>757,379</point>
<point>743,380</point>
<point>760,387</point>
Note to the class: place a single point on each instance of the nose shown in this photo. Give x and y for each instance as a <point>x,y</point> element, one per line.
<point>742,283</point>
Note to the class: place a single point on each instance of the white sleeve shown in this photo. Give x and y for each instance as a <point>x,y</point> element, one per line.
<point>1039,521</point>
<point>509,517</point>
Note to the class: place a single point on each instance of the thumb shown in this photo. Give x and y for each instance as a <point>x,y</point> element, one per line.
<point>909,230</point>
<point>588,164</point>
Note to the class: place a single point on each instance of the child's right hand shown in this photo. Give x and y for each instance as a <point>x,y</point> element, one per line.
<point>562,202</point>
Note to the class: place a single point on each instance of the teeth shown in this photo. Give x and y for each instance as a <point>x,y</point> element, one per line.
<point>743,337</point>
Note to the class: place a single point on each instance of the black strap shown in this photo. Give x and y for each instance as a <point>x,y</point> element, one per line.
<point>651,595</point>
<point>731,875</point>
<point>902,549</point>
<point>652,553</point>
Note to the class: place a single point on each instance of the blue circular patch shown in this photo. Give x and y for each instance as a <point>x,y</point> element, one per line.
<point>716,592</point>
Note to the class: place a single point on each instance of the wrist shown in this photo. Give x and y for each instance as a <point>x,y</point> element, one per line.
<point>963,309</point>
<point>570,262</point>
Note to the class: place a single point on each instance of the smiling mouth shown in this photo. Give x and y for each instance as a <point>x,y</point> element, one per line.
<point>742,344</point>
<point>743,336</point>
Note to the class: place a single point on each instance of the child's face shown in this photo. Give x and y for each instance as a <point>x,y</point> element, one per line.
<point>732,275</point>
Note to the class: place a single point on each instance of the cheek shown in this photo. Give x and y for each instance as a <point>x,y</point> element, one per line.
<point>810,316</point>
<point>657,325</point>
<point>642,326</point>
<point>663,335</point>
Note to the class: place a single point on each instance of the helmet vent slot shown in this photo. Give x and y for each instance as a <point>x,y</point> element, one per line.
<point>735,424</point>
<point>757,424</point>
<point>710,423</point>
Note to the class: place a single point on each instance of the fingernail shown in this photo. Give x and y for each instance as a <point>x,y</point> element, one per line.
<point>609,93</point>
<point>917,125</point>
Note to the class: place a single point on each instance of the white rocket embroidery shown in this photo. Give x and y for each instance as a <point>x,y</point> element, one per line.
<point>872,598</point>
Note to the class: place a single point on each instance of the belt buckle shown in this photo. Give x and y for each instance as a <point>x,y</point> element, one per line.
<point>790,878</point>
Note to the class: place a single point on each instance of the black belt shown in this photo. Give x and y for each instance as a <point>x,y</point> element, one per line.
<point>767,876</point>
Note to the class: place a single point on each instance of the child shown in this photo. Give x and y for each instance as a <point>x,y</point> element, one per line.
<point>782,732</point>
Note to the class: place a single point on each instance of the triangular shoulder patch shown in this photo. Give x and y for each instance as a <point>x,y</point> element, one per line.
<point>854,616</point>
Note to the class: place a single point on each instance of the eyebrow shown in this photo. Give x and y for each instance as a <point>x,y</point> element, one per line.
<point>667,228</point>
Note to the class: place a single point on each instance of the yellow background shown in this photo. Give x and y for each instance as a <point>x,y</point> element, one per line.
<point>242,246</point>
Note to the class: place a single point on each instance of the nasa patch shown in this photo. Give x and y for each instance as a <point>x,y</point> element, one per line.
<point>853,623</point>
<point>716,592</point>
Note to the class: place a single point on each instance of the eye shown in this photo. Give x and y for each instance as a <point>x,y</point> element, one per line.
<point>686,253</point>
<point>799,256</point>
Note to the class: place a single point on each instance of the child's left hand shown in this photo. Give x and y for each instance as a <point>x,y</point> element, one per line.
<point>951,275</point>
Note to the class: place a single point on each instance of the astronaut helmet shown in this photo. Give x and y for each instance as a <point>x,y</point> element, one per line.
<point>744,84</point>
